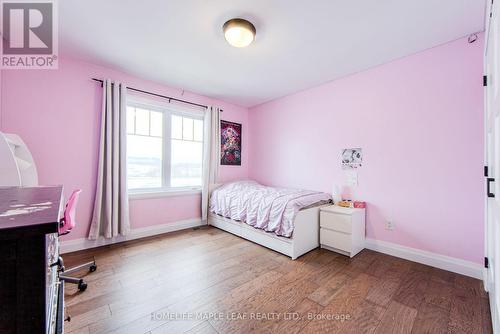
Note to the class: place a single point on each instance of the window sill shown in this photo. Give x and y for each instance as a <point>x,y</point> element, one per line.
<point>163,193</point>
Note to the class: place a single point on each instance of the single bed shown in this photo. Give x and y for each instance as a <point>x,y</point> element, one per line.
<point>284,220</point>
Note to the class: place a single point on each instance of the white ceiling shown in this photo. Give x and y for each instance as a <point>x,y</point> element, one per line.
<point>299,44</point>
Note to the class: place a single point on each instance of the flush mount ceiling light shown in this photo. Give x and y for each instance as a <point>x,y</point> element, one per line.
<point>239,32</point>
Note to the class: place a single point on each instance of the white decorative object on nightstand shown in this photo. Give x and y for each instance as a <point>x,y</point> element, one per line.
<point>342,229</point>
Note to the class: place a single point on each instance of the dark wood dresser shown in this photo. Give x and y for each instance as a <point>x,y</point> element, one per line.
<point>30,294</point>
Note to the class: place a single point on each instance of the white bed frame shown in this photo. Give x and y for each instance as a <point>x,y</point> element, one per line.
<point>305,235</point>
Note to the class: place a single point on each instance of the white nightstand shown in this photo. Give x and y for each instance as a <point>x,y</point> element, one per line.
<point>342,229</point>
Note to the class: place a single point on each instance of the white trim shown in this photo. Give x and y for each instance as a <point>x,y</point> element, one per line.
<point>161,105</point>
<point>428,258</point>
<point>172,192</point>
<point>444,262</point>
<point>83,243</point>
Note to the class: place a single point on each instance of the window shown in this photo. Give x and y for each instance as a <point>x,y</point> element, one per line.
<point>164,148</point>
<point>186,151</point>
<point>144,148</point>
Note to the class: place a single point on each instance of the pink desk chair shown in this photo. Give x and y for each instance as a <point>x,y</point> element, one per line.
<point>66,224</point>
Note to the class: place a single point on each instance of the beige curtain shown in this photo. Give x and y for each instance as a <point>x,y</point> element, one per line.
<point>111,215</point>
<point>211,156</point>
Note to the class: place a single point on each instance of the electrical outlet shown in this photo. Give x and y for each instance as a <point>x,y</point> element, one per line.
<point>389,225</point>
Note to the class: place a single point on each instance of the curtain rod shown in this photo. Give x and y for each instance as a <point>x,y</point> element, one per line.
<point>158,95</point>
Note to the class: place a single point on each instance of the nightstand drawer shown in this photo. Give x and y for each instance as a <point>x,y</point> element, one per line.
<point>336,239</point>
<point>336,222</point>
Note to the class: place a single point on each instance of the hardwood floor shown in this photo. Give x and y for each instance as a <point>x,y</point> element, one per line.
<point>209,281</point>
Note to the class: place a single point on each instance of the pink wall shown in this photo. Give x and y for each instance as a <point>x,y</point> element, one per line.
<point>419,121</point>
<point>1,72</point>
<point>57,113</point>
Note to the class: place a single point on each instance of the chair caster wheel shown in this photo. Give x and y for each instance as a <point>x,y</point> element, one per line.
<point>82,286</point>
<point>93,268</point>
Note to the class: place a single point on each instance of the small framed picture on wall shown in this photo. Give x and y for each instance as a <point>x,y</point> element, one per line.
<point>352,158</point>
<point>230,139</point>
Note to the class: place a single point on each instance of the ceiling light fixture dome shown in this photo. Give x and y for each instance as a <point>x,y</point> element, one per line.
<point>239,32</point>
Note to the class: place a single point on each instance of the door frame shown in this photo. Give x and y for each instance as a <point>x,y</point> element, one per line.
<point>493,287</point>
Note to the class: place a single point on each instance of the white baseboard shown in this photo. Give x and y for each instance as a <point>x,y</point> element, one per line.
<point>84,243</point>
<point>444,262</point>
